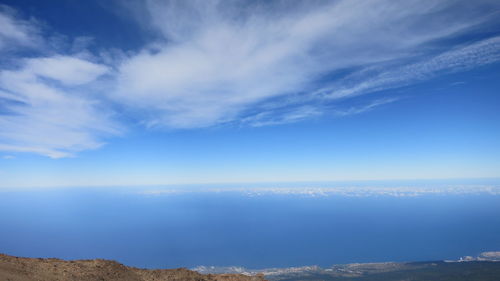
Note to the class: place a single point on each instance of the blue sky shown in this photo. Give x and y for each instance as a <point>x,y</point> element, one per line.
<point>168,92</point>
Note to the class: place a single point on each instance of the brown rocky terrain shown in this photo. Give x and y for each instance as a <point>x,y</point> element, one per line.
<point>38,269</point>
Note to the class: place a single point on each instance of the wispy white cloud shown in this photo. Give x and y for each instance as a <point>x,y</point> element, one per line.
<point>46,117</point>
<point>363,108</point>
<point>65,69</point>
<point>221,58</point>
<point>382,78</point>
<point>250,63</point>
<point>46,103</point>
<point>267,118</point>
<point>15,31</point>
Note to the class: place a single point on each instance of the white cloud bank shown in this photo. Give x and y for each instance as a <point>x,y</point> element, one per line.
<point>350,191</point>
<point>251,63</point>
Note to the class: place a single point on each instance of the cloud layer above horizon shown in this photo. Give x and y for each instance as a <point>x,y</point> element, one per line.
<point>244,63</point>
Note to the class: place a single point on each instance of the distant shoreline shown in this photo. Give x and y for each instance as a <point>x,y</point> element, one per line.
<point>13,268</point>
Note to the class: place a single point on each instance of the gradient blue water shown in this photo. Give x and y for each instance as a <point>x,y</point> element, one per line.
<point>233,229</point>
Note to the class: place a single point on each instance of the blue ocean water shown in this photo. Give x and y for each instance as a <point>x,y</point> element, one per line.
<point>232,228</point>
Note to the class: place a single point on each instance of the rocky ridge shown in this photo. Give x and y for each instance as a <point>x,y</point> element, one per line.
<point>39,269</point>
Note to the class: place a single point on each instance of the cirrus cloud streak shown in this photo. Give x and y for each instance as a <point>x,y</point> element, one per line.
<point>243,63</point>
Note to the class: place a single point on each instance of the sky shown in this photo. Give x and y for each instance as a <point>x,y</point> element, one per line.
<point>136,92</point>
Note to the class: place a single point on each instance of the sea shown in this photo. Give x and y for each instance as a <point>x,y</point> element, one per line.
<point>254,226</point>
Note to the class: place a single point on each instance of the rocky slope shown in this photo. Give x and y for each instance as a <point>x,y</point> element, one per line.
<point>29,269</point>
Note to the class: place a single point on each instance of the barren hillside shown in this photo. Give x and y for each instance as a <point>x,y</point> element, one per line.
<point>30,269</point>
